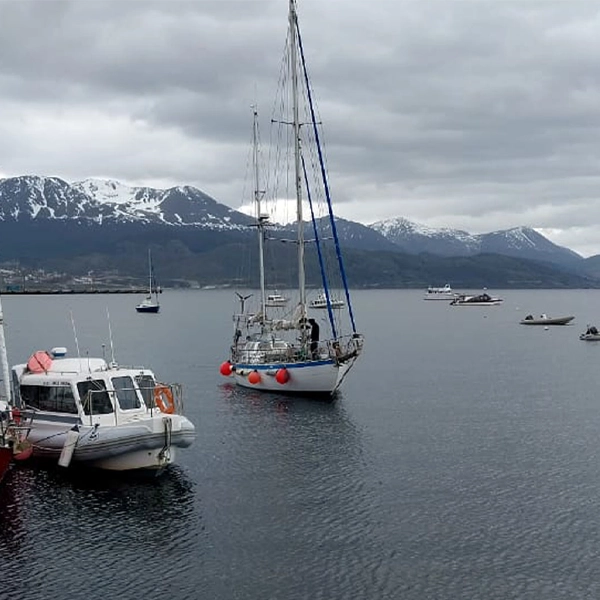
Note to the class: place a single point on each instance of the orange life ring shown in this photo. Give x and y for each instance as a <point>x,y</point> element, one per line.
<point>163,398</point>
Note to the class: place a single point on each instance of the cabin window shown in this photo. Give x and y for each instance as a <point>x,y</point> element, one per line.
<point>126,394</point>
<point>52,399</point>
<point>146,384</point>
<point>94,397</point>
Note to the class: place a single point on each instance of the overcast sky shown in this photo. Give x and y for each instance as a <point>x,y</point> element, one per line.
<point>472,114</point>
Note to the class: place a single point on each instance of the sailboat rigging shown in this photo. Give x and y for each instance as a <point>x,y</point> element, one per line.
<point>150,303</point>
<point>280,348</point>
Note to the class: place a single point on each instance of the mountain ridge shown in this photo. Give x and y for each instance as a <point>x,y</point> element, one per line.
<point>46,219</point>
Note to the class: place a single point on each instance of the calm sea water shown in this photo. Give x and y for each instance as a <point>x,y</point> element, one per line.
<point>461,460</point>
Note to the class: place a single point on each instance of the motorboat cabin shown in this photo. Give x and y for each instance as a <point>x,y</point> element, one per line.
<point>89,411</point>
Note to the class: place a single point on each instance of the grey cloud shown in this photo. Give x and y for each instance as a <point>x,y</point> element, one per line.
<point>464,113</point>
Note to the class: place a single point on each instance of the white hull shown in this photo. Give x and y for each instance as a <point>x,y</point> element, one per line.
<point>590,337</point>
<point>497,303</point>
<point>318,377</point>
<point>334,304</point>
<point>548,321</point>
<point>146,444</point>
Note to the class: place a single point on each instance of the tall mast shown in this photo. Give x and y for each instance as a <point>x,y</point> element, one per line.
<point>149,272</point>
<point>293,18</point>
<point>4,359</point>
<point>260,219</point>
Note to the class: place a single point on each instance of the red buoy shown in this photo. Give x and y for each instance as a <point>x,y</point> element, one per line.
<point>282,376</point>
<point>226,368</point>
<point>254,377</point>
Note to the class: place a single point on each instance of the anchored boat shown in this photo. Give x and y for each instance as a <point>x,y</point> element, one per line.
<point>290,352</point>
<point>591,334</point>
<point>150,303</point>
<point>440,293</point>
<point>478,300</point>
<point>546,320</point>
<point>84,410</point>
<point>91,412</point>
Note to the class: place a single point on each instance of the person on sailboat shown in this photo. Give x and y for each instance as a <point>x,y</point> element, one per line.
<point>314,338</point>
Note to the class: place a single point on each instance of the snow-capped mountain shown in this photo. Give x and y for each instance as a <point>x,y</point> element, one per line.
<point>522,242</point>
<point>49,205</point>
<point>98,201</point>
<point>415,238</point>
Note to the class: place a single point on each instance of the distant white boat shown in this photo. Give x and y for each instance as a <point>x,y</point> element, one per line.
<point>276,299</point>
<point>546,320</point>
<point>591,335</point>
<point>321,302</point>
<point>440,293</point>
<point>478,300</point>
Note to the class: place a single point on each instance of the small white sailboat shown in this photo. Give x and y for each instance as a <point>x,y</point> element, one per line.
<point>150,303</point>
<point>287,353</point>
<point>87,411</point>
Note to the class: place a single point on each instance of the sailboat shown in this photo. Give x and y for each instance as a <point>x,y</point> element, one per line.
<point>277,352</point>
<point>150,303</point>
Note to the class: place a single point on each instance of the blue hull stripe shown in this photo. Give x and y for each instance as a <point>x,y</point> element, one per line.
<point>315,363</point>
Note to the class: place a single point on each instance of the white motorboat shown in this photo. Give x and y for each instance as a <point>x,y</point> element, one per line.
<point>321,302</point>
<point>478,300</point>
<point>86,411</point>
<point>591,334</point>
<point>440,293</point>
<point>545,320</point>
<point>276,299</point>
<point>89,412</point>
<point>289,355</point>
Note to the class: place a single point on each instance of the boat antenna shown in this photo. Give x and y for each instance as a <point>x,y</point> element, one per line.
<point>75,334</point>
<point>110,339</point>
<point>4,358</point>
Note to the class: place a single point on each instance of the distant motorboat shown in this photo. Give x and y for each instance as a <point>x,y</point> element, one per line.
<point>321,302</point>
<point>276,299</point>
<point>545,320</point>
<point>440,293</point>
<point>478,300</point>
<point>591,335</point>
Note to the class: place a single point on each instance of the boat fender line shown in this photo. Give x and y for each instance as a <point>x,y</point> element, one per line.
<point>68,448</point>
<point>163,398</point>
